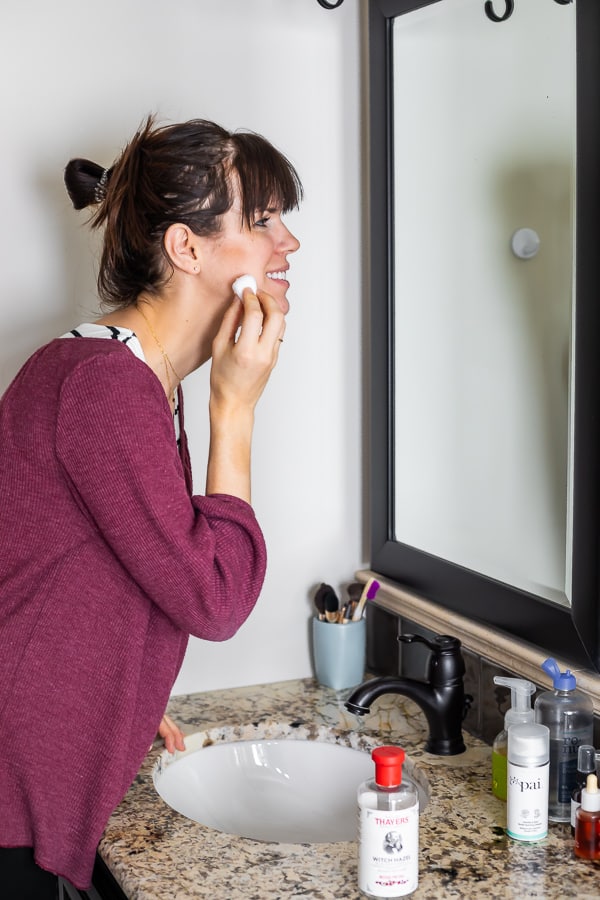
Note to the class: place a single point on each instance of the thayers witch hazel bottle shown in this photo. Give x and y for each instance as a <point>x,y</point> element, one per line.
<point>388,838</point>
<point>519,713</point>
<point>527,792</point>
<point>569,715</point>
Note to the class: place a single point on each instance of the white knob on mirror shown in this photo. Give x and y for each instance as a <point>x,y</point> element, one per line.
<point>525,243</point>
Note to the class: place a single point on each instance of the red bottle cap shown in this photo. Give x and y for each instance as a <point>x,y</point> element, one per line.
<point>388,765</point>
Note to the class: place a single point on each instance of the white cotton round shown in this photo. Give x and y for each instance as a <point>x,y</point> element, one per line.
<point>243,282</point>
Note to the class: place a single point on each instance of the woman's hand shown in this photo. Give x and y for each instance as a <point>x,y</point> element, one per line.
<point>240,370</point>
<point>171,734</point>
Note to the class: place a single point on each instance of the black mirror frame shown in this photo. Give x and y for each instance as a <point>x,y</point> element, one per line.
<point>571,634</point>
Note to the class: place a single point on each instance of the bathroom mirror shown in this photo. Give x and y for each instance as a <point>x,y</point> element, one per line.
<point>484,187</point>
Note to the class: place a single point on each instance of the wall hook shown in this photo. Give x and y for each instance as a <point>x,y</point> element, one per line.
<point>489,11</point>
<point>510,6</point>
<point>326,5</point>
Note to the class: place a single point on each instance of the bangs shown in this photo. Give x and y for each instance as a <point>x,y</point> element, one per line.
<point>266,178</point>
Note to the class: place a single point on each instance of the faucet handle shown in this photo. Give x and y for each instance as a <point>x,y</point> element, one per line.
<point>446,664</point>
<point>440,643</point>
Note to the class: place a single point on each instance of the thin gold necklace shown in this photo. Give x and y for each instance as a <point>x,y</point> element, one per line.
<point>167,362</point>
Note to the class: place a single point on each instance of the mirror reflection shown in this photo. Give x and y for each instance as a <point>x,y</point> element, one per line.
<point>484,123</point>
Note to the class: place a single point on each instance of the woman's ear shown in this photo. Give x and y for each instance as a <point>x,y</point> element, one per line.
<point>183,248</point>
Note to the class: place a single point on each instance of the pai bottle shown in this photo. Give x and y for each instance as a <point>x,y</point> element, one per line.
<point>528,771</point>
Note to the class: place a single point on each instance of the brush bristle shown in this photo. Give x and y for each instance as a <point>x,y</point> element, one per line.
<point>372,589</point>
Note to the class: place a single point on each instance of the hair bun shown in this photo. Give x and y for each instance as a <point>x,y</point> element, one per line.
<point>85,182</point>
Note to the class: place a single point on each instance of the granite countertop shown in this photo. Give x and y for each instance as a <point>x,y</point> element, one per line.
<point>158,854</point>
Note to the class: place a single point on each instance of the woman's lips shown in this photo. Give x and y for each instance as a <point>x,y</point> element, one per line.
<point>279,278</point>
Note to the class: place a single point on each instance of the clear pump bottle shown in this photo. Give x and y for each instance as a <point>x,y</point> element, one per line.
<point>388,840</point>
<point>569,714</point>
<point>519,713</point>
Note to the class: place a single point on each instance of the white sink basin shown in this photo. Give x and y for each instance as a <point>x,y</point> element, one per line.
<point>289,791</point>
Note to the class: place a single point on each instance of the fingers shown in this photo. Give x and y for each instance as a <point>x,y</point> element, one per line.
<point>171,734</point>
<point>259,320</point>
<point>263,321</point>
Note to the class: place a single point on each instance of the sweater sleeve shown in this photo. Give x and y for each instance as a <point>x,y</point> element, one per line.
<point>201,559</point>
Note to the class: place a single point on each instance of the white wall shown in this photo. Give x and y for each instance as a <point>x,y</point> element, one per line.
<point>77,80</point>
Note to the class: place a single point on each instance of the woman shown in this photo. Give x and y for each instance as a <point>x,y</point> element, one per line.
<point>108,559</point>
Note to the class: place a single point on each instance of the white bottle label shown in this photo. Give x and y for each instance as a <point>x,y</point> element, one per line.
<point>388,857</point>
<point>527,802</point>
<point>575,804</point>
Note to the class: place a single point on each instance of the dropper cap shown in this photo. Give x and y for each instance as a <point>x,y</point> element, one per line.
<point>586,759</point>
<point>521,691</point>
<point>388,765</point>
<point>590,795</point>
<point>561,681</point>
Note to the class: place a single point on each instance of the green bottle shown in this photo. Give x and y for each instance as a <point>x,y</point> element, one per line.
<point>520,712</point>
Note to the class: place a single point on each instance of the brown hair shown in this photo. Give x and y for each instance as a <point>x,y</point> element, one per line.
<point>175,173</point>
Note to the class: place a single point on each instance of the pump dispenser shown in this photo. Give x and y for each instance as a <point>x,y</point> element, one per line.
<point>388,840</point>
<point>569,714</point>
<point>520,713</point>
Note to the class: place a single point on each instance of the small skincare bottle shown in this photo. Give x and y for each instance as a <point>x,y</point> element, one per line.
<point>527,792</point>
<point>586,765</point>
<point>587,821</point>
<point>388,838</point>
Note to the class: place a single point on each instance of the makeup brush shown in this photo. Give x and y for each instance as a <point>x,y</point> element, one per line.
<point>354,591</point>
<point>326,603</point>
<point>332,604</point>
<point>369,591</point>
<point>345,613</point>
<point>319,602</point>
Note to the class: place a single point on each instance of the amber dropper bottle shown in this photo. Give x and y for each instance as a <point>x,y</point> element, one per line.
<point>587,821</point>
<point>586,765</point>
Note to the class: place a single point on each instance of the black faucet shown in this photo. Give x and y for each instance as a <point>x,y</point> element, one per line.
<point>441,697</point>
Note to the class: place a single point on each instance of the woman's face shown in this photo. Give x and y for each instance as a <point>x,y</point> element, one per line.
<point>261,250</point>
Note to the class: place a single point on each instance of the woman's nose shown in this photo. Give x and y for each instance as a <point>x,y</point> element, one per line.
<point>290,241</point>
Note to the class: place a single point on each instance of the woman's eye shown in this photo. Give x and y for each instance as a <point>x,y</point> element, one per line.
<point>262,222</point>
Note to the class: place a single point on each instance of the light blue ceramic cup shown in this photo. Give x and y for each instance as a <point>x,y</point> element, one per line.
<point>339,653</point>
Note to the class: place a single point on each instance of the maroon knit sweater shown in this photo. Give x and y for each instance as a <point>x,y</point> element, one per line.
<point>107,564</point>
